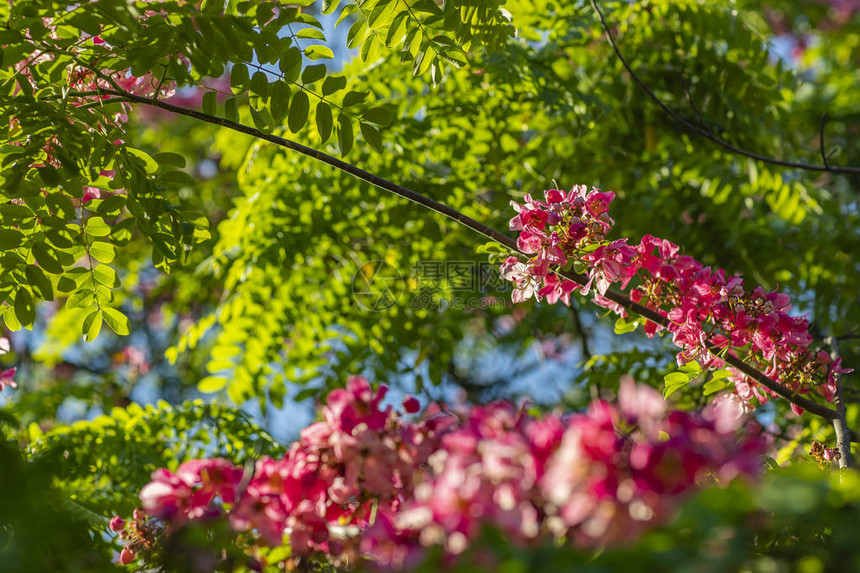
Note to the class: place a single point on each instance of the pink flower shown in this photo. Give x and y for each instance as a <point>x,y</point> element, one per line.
<point>411,405</point>
<point>598,203</point>
<point>831,454</point>
<point>556,289</point>
<point>117,523</point>
<point>517,272</point>
<point>127,556</point>
<point>215,477</point>
<point>531,240</point>
<point>90,193</point>
<point>166,496</point>
<point>6,378</point>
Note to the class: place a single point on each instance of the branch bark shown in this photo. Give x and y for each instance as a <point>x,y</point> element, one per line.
<point>480,228</point>
<point>703,131</point>
<point>840,425</point>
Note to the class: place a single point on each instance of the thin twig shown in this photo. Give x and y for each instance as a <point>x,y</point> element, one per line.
<point>696,110</point>
<point>704,132</point>
<point>482,229</point>
<point>580,329</point>
<point>821,139</point>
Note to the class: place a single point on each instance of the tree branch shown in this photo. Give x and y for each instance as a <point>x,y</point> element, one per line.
<point>580,329</point>
<point>480,228</point>
<point>840,424</point>
<point>703,132</point>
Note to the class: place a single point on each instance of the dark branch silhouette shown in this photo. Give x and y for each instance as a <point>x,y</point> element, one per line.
<point>704,131</point>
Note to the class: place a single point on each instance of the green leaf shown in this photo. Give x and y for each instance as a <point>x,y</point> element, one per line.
<point>310,33</point>
<point>721,373</point>
<point>117,321</point>
<point>368,48</point>
<point>239,78</point>
<point>319,52</point>
<point>61,206</point>
<point>25,310</point>
<point>674,381</point>
<point>263,119</point>
<point>333,84</point>
<point>260,84</point>
<point>625,325</point>
<point>96,227</point>
<point>298,112</point>
<point>313,73</point>
<point>149,163</point>
<point>377,116</point>
<point>11,321</point>
<point>39,282</point>
<point>328,6</point>
<point>324,121</point>
<point>15,214</point>
<point>47,258</point>
<point>50,176</point>
<point>354,98</point>
<point>714,386</point>
<point>80,298</point>
<point>167,159</point>
<point>371,135</point>
<point>345,136</point>
<point>291,64</point>
<point>92,325</point>
<point>210,103</point>
<point>112,206</point>
<point>280,98</point>
<point>307,393</point>
<point>10,239</point>
<point>178,178</point>
<point>492,247</point>
<point>211,384</point>
<point>105,275</point>
<point>396,29</point>
<point>356,33</point>
<point>231,110</point>
<point>102,251</point>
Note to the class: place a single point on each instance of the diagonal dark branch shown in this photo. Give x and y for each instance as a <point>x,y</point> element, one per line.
<point>480,228</point>
<point>703,132</point>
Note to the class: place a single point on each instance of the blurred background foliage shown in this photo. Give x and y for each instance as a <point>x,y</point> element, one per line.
<point>260,317</point>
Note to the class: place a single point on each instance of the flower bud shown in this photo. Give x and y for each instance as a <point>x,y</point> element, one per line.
<point>411,405</point>
<point>117,524</point>
<point>127,556</point>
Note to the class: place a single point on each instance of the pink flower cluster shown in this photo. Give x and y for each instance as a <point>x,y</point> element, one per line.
<point>593,479</point>
<point>359,461</point>
<point>703,305</point>
<point>367,483</point>
<point>85,80</point>
<point>140,534</point>
<point>83,85</point>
